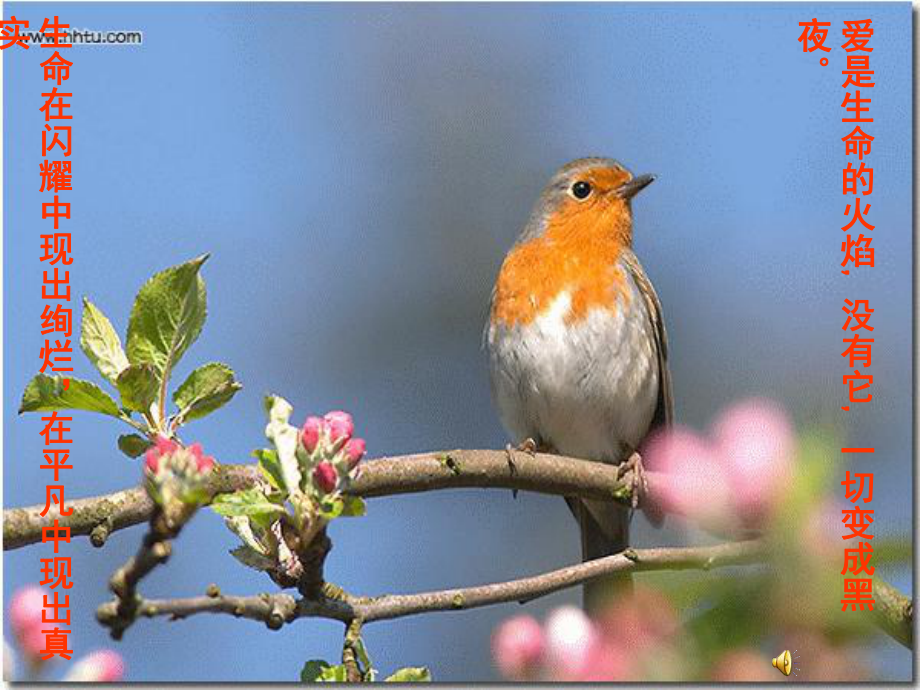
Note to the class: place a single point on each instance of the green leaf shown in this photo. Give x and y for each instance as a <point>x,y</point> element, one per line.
<point>47,393</point>
<point>341,506</point>
<point>363,657</point>
<point>284,437</point>
<point>133,445</point>
<point>101,343</point>
<point>167,317</point>
<point>271,467</point>
<point>208,388</point>
<point>319,671</point>
<point>331,508</point>
<point>251,502</point>
<point>243,529</point>
<point>353,506</point>
<point>252,558</point>
<point>138,386</point>
<point>410,674</point>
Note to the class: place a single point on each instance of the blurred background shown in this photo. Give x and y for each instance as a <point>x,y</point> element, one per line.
<point>357,173</point>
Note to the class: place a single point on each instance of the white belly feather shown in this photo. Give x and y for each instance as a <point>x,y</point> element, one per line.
<point>588,388</point>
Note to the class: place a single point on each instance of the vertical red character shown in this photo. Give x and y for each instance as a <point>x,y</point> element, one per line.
<point>56,324</point>
<point>858,181</point>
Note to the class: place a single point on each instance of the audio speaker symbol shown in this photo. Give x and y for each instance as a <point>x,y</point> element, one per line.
<point>785,662</point>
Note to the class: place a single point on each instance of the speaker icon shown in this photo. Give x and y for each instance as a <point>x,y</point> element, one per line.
<point>785,663</point>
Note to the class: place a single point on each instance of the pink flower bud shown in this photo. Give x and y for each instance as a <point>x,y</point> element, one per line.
<point>324,477</point>
<point>196,450</point>
<point>152,460</point>
<point>32,643</point>
<point>517,648</point>
<point>25,613</point>
<point>165,445</point>
<point>312,428</point>
<point>202,462</point>
<point>571,639</point>
<point>104,666</point>
<point>340,425</point>
<point>161,446</point>
<point>354,451</point>
<point>608,662</point>
<point>756,444</point>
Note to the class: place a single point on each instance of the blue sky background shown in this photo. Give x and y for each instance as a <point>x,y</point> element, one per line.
<point>357,172</point>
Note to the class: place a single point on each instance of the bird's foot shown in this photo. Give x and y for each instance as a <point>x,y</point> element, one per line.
<point>529,446</point>
<point>638,483</point>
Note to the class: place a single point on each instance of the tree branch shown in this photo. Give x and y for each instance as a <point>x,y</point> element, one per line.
<point>456,469</point>
<point>277,609</point>
<point>99,516</point>
<point>155,549</point>
<point>350,657</point>
<point>549,474</point>
<point>894,612</point>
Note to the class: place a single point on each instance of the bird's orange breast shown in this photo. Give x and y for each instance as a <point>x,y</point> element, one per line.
<point>574,254</point>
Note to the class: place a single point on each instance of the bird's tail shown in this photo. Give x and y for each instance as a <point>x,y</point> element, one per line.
<point>604,529</point>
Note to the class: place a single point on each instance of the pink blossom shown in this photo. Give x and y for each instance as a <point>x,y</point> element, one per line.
<point>165,445</point>
<point>354,451</point>
<point>756,444</point>
<point>161,446</point>
<point>309,435</point>
<point>324,477</point>
<point>639,620</point>
<point>570,643</point>
<point>692,481</point>
<point>733,480</point>
<point>607,661</point>
<point>340,425</point>
<point>152,460</point>
<point>517,648</point>
<point>203,462</point>
<point>25,613</point>
<point>103,666</point>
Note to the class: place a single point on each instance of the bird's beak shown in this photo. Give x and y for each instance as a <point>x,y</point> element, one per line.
<point>634,186</point>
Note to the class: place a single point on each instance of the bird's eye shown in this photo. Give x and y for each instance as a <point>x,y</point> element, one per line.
<point>581,190</point>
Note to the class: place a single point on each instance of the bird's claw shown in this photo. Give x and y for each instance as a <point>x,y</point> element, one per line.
<point>529,446</point>
<point>638,483</point>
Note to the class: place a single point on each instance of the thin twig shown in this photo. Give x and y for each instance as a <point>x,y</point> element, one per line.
<point>894,612</point>
<point>347,608</point>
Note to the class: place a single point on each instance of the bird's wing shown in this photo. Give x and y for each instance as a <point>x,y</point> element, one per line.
<point>664,412</point>
<point>484,340</point>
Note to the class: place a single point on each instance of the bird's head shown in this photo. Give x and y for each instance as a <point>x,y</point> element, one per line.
<point>588,195</point>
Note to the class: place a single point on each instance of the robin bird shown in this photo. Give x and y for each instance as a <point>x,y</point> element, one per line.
<point>576,340</point>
